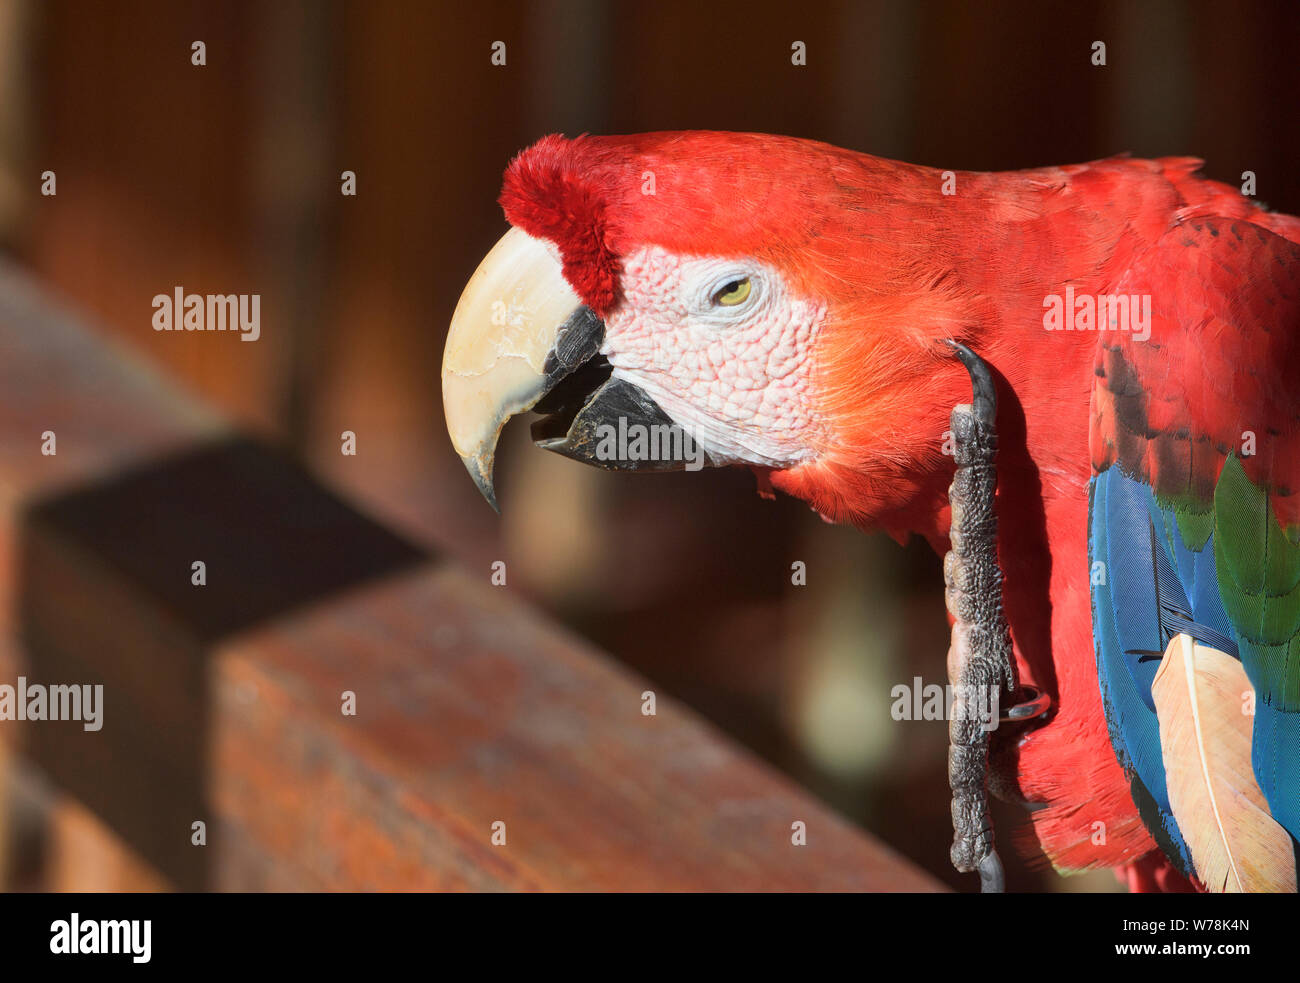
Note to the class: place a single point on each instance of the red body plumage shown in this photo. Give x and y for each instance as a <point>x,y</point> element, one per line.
<point>903,265</point>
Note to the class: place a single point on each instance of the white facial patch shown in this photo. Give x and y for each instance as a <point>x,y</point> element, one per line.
<point>737,378</point>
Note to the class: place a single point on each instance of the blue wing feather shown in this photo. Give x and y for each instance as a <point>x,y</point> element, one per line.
<point>1149,587</point>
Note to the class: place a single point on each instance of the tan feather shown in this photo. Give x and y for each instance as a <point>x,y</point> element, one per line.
<point>1202,702</point>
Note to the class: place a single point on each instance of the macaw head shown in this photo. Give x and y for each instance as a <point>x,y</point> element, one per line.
<point>734,299</point>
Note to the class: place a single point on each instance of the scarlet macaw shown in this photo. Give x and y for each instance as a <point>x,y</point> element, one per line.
<point>791,305</point>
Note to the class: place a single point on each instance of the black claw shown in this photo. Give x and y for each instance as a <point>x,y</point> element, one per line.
<point>985,400</point>
<point>992,878</point>
<point>1033,703</point>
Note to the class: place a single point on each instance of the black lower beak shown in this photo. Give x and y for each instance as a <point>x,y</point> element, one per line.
<point>590,416</point>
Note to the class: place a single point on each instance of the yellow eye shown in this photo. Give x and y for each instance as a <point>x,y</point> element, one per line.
<point>735,292</point>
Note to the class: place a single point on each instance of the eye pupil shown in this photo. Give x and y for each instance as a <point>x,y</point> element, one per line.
<point>733,293</point>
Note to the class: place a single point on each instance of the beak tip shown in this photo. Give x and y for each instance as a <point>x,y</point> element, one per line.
<point>481,471</point>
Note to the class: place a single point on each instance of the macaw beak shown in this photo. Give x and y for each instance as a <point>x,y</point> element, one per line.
<point>521,339</point>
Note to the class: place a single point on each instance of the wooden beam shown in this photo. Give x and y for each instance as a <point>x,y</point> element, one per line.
<point>224,703</point>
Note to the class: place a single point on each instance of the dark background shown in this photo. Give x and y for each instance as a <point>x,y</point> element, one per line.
<point>225,179</point>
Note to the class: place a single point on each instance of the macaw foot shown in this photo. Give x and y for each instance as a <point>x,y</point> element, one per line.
<point>980,660</point>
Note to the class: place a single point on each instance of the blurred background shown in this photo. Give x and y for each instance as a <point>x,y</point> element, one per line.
<point>226,178</point>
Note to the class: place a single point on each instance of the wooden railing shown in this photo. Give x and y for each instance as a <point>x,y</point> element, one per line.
<point>488,750</point>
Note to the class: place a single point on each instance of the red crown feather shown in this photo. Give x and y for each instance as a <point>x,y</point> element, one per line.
<point>548,194</point>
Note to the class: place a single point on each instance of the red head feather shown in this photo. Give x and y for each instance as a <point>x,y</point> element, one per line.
<point>550,195</point>
<point>778,199</point>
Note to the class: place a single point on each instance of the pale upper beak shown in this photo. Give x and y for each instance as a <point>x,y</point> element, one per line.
<point>494,364</point>
<point>521,339</point>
